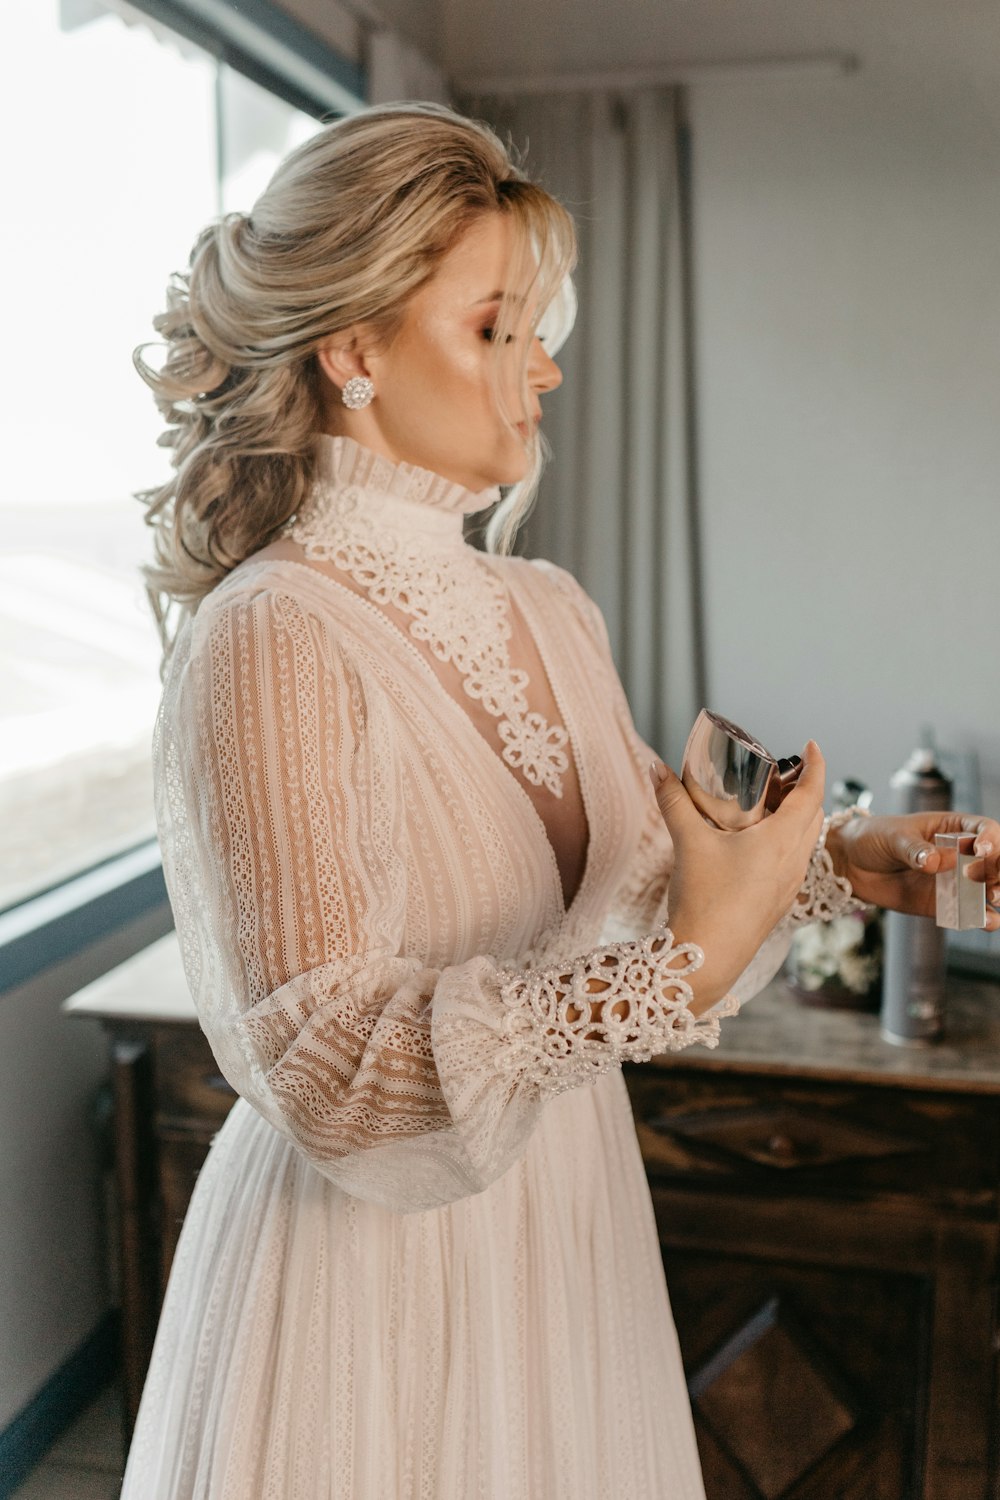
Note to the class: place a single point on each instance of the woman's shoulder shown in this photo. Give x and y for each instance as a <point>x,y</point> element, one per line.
<point>538,572</point>
<point>267,599</point>
<point>275,573</point>
<point>560,584</point>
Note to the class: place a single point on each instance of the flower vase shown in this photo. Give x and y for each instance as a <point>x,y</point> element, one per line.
<point>838,964</point>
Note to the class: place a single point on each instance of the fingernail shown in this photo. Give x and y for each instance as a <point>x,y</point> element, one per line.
<point>982,846</point>
<point>995,895</point>
<point>921,857</point>
<point>657,773</point>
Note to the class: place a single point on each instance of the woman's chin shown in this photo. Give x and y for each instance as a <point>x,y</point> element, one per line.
<point>512,460</point>
<point>520,459</point>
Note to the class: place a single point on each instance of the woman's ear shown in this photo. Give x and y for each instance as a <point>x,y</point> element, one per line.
<point>341,357</point>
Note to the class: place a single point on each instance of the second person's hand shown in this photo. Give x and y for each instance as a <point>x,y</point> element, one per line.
<point>892,861</point>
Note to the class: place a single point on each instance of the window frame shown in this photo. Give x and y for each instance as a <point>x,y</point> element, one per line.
<point>58,923</point>
<point>268,47</point>
<point>272,50</point>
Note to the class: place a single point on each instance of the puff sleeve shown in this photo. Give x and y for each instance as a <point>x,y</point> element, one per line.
<point>280,822</point>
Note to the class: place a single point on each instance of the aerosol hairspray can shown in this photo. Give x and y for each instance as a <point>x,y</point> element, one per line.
<point>914,979</point>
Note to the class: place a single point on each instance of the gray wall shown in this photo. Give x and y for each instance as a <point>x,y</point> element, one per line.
<point>848,346</point>
<point>53,1248</point>
<point>848,304</point>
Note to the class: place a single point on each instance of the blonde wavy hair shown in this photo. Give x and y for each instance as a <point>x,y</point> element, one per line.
<point>351,225</point>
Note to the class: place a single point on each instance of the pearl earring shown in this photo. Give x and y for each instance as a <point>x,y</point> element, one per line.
<point>358,392</point>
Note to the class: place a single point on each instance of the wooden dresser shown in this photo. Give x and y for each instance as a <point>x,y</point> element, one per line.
<point>169,1101</point>
<point>827,1206</point>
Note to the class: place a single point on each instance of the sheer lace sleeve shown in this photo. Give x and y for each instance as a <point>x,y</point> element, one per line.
<point>280,813</point>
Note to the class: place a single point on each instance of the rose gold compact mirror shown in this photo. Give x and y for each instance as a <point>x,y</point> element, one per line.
<point>732,780</point>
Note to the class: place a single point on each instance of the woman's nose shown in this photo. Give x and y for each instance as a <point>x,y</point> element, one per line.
<point>543,372</point>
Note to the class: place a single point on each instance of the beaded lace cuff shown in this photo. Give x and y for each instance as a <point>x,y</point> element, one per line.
<point>562,1033</point>
<point>824,895</point>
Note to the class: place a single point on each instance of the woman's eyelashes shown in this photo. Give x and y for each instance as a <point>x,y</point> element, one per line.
<point>490,333</point>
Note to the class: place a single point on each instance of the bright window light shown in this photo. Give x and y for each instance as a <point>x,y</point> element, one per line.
<point>122,142</point>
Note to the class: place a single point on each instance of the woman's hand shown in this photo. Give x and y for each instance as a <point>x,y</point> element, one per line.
<point>891,862</point>
<point>728,890</point>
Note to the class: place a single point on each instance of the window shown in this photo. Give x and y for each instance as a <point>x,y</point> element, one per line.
<point>123,139</point>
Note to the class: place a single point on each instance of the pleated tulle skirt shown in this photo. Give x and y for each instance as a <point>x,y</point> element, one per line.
<point>516,1345</point>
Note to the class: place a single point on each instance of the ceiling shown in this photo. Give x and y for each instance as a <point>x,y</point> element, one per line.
<point>955,42</point>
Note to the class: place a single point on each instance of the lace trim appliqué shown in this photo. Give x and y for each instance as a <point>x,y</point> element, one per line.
<point>457,606</point>
<point>824,895</point>
<point>562,1032</point>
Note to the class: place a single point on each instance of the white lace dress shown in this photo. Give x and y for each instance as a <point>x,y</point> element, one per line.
<point>421,1259</point>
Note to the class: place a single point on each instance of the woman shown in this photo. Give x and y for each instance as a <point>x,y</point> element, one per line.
<point>402,808</point>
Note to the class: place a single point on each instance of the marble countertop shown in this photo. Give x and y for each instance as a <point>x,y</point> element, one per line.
<point>149,987</point>
<point>774,1033</point>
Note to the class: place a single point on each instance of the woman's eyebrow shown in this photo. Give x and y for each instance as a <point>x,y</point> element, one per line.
<point>497,297</point>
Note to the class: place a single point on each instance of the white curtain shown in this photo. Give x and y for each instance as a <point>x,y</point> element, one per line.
<point>618,504</point>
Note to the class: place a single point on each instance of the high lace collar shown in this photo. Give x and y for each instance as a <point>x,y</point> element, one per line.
<point>401,496</point>
<point>397,532</point>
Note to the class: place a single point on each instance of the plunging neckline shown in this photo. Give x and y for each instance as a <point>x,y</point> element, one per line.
<point>508,775</point>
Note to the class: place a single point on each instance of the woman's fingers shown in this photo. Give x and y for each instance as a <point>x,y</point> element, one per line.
<point>728,889</point>
<point>805,800</point>
<point>676,807</point>
<point>912,850</point>
<point>911,842</point>
<point>986,867</point>
<point>987,831</point>
<point>812,778</point>
<point>813,775</point>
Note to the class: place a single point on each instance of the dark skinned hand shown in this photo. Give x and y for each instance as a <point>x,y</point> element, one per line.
<point>892,861</point>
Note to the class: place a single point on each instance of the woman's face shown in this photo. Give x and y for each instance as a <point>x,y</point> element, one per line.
<point>435,400</point>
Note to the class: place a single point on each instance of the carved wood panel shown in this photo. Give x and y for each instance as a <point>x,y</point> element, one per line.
<point>806,1382</point>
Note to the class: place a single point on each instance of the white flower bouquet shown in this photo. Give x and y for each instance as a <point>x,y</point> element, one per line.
<point>838,963</point>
